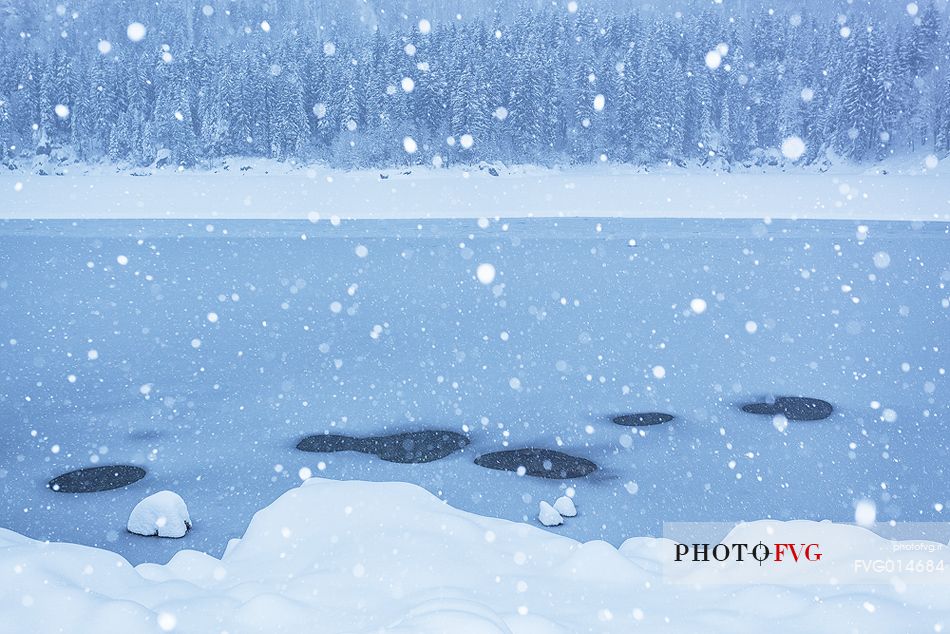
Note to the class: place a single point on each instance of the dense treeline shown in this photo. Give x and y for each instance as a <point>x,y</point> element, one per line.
<point>227,78</point>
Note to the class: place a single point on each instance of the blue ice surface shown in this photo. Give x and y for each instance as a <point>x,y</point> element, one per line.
<point>588,316</point>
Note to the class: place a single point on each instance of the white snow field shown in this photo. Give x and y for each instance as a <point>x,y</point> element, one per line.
<point>903,188</point>
<point>360,557</point>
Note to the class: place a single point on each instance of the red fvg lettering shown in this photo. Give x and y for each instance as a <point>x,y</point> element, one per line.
<point>796,551</point>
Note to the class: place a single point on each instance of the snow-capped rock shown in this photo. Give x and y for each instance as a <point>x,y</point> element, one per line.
<point>163,514</point>
<point>548,516</point>
<point>565,506</point>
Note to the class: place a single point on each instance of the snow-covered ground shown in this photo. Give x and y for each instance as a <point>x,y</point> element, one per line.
<point>389,557</point>
<point>204,351</point>
<point>908,188</point>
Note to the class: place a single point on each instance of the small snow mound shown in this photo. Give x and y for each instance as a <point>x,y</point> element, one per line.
<point>163,514</point>
<point>548,516</point>
<point>565,506</point>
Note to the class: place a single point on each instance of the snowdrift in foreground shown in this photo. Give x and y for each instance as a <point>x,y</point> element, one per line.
<point>353,557</point>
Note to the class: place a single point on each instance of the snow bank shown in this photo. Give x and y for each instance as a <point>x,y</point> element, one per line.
<point>389,557</point>
<point>278,191</point>
<point>163,514</point>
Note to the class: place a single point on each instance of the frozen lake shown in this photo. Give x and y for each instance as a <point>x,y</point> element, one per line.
<point>203,354</point>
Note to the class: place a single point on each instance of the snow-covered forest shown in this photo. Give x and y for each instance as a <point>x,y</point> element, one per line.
<point>189,81</point>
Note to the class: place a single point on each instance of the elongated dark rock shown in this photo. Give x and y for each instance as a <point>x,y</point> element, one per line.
<point>540,463</point>
<point>321,443</point>
<point>793,408</point>
<point>95,479</point>
<point>642,419</point>
<point>408,448</point>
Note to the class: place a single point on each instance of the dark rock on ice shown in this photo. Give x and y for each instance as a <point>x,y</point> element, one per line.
<point>642,419</point>
<point>540,463</point>
<point>408,447</point>
<point>95,479</point>
<point>793,408</point>
<point>326,443</point>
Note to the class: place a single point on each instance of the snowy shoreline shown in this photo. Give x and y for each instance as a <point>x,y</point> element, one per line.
<point>327,551</point>
<point>256,189</point>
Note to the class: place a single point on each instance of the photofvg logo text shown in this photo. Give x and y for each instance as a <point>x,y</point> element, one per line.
<point>760,552</point>
<point>802,553</point>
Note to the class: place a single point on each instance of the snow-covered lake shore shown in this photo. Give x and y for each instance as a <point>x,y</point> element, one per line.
<point>903,190</point>
<point>362,557</point>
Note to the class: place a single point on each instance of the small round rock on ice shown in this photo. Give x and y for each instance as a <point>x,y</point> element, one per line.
<point>162,514</point>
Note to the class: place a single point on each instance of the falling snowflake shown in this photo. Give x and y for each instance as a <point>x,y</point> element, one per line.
<point>793,148</point>
<point>167,621</point>
<point>135,31</point>
<point>485,273</point>
<point>865,513</point>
